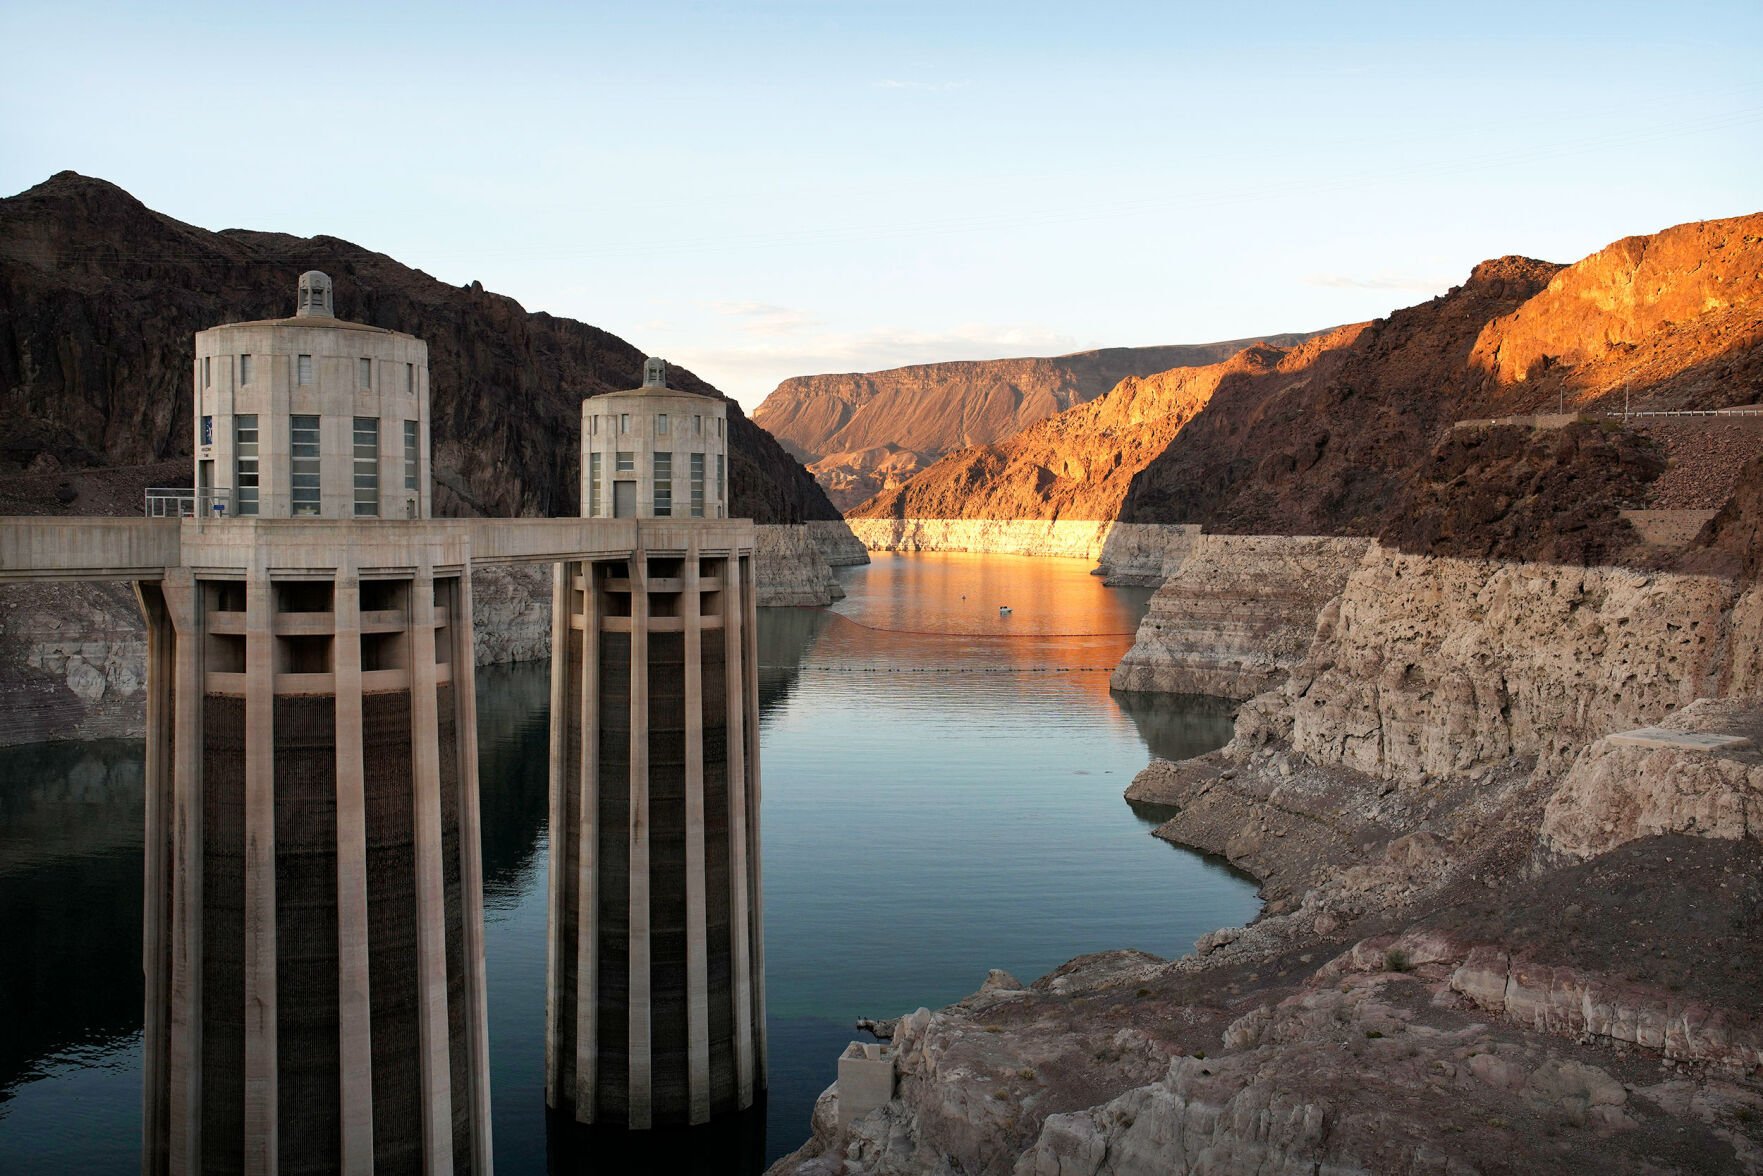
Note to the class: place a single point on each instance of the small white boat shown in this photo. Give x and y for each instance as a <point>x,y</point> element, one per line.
<point>1003,610</point>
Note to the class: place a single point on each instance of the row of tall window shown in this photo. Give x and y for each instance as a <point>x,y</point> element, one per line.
<point>303,373</point>
<point>621,423</point>
<point>624,461</point>
<point>304,463</point>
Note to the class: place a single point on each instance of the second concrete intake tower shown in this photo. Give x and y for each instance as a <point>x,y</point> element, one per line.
<point>656,990</point>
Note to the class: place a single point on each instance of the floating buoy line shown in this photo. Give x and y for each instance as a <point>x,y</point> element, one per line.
<point>832,669</point>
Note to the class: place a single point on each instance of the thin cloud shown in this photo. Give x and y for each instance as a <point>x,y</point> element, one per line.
<point>765,318</point>
<point>904,84</point>
<point>1377,282</point>
<point>750,371</point>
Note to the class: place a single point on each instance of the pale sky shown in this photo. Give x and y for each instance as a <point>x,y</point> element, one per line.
<point>768,189</point>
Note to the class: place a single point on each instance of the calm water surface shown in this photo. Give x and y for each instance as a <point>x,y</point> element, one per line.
<point>942,796</point>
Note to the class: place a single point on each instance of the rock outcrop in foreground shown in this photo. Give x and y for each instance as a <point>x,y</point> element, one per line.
<point>1497,938</point>
<point>1236,614</point>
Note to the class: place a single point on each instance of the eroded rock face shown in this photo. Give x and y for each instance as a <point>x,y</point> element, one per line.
<point>73,662</point>
<point>792,569</point>
<point>511,613</point>
<point>1236,614</point>
<point>838,546</point>
<point>1615,794</point>
<point>1432,666</point>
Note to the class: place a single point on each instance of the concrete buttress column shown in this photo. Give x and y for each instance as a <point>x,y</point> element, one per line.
<point>641,1070</point>
<point>556,853</point>
<point>733,627</point>
<point>697,964</point>
<point>587,930</point>
<point>156,919</point>
<point>477,1029</point>
<point>750,726</point>
<point>431,905</point>
<point>355,1021</point>
<point>184,1034</point>
<point>262,1145</point>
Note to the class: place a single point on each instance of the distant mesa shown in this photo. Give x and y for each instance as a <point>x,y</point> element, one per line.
<point>861,433</point>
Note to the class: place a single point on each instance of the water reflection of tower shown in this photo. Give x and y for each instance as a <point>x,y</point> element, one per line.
<point>656,993</point>
<point>313,938</point>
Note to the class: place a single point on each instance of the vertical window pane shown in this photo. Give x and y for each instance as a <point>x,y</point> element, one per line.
<point>303,369</point>
<point>244,369</point>
<point>624,422</point>
<point>366,376</point>
<point>208,430</point>
<point>245,462</point>
<point>367,465</point>
<point>697,485</point>
<point>660,423</point>
<point>412,455</point>
<point>303,465</point>
<point>207,371</point>
<point>663,485</point>
<point>593,485</point>
<point>410,379</point>
<point>721,496</point>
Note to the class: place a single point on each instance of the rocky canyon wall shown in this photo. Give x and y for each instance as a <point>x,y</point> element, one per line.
<point>1236,614</point>
<point>865,432</point>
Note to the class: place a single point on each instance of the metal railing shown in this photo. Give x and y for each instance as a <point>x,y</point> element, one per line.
<point>183,502</point>
<point>1745,411</point>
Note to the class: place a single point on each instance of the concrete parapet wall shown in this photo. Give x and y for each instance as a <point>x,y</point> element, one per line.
<point>1236,613</point>
<point>73,655</point>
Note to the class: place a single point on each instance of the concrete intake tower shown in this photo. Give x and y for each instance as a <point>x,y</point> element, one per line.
<point>656,991</point>
<point>314,928</point>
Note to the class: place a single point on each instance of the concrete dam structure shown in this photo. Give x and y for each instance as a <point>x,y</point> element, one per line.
<point>313,917</point>
<point>656,998</point>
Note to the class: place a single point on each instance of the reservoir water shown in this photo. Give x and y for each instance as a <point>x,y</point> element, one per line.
<point>942,795</point>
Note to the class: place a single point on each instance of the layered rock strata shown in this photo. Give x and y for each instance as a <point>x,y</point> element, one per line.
<point>73,663</point>
<point>838,545</point>
<point>1127,552</point>
<point>792,568</point>
<point>1236,614</point>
